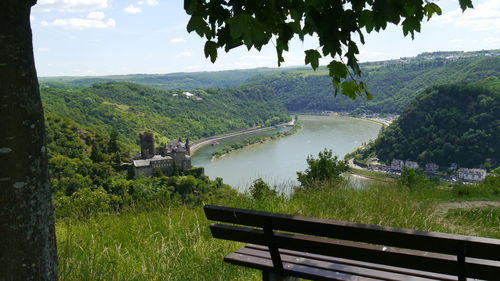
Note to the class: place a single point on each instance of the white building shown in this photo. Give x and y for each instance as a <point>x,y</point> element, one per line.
<point>431,167</point>
<point>397,164</point>
<point>471,174</point>
<point>411,164</point>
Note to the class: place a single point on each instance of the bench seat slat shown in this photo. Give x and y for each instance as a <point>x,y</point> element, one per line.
<point>323,246</point>
<point>418,273</point>
<point>322,249</point>
<point>437,263</point>
<point>333,266</point>
<point>477,247</point>
<point>292,269</point>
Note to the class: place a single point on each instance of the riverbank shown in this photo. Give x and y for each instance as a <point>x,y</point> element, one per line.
<point>371,175</point>
<point>210,140</point>
<point>375,118</point>
<point>254,141</point>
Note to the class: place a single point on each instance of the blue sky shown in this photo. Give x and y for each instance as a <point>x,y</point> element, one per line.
<point>104,37</point>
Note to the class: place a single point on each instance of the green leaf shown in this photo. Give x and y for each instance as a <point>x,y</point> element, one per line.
<point>190,6</point>
<point>337,69</point>
<point>464,4</point>
<point>350,89</point>
<point>410,25</point>
<point>432,8</point>
<point>368,95</point>
<point>312,57</point>
<point>366,20</point>
<point>211,50</point>
<point>197,24</point>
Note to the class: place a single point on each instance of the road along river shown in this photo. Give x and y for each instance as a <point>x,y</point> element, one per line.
<point>277,162</point>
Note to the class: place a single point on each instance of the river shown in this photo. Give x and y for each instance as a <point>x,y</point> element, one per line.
<point>278,161</point>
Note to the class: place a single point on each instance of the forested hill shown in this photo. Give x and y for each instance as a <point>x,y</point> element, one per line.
<point>130,108</point>
<point>447,124</point>
<point>393,86</point>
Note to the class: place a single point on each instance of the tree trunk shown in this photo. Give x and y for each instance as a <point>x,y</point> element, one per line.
<point>27,238</point>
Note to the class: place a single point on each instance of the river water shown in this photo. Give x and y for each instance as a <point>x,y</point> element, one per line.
<point>278,161</point>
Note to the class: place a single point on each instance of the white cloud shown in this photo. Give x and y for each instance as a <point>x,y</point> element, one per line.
<point>96,15</point>
<point>149,2</point>
<point>43,49</point>
<point>131,9</point>
<point>457,40</point>
<point>484,17</point>
<point>32,18</point>
<point>177,40</point>
<point>79,23</point>
<point>491,40</point>
<point>365,55</point>
<point>184,54</point>
<point>70,5</point>
<point>193,67</point>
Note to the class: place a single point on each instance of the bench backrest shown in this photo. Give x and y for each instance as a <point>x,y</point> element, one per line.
<point>458,255</point>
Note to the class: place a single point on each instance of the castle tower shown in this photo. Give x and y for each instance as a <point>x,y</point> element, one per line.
<point>147,140</point>
<point>188,148</point>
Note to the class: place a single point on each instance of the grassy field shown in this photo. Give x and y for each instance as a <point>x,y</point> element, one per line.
<point>170,241</point>
<point>372,174</point>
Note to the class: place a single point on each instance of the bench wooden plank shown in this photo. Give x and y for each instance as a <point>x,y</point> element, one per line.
<point>477,247</point>
<point>394,269</point>
<point>291,269</point>
<point>444,264</point>
<point>337,267</point>
<point>353,249</point>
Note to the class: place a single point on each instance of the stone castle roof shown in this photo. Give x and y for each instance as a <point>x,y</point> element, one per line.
<point>147,162</point>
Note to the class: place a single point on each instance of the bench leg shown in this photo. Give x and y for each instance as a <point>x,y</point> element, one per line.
<point>272,276</point>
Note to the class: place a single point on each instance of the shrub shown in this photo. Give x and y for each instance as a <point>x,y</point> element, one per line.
<point>85,202</point>
<point>260,189</point>
<point>327,167</point>
<point>410,178</point>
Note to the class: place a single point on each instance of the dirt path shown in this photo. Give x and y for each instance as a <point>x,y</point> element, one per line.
<point>443,208</point>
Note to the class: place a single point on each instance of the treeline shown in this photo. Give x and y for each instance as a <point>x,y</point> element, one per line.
<point>394,86</point>
<point>171,81</point>
<point>446,124</point>
<point>130,108</point>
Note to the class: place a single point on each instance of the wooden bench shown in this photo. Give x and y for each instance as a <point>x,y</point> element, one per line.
<point>285,247</point>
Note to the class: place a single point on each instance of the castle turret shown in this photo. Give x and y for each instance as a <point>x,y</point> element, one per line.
<point>147,145</point>
<point>188,148</point>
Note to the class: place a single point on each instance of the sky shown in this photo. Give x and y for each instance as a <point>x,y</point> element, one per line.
<point>110,37</point>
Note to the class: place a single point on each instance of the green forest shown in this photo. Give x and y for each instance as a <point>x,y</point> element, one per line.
<point>131,108</point>
<point>446,124</point>
<point>394,86</point>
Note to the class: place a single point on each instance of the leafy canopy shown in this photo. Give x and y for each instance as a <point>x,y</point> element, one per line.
<point>231,23</point>
<point>327,167</point>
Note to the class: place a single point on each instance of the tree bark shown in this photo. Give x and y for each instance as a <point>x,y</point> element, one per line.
<point>27,236</point>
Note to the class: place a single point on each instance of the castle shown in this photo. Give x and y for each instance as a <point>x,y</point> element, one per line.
<point>164,157</point>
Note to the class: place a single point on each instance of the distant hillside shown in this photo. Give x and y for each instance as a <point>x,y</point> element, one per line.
<point>394,86</point>
<point>312,90</point>
<point>130,108</point>
<point>446,124</point>
<point>172,81</point>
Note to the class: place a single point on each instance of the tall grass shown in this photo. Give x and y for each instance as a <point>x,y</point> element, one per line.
<point>173,242</point>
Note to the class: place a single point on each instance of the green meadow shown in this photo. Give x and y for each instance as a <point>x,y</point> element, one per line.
<point>169,240</point>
